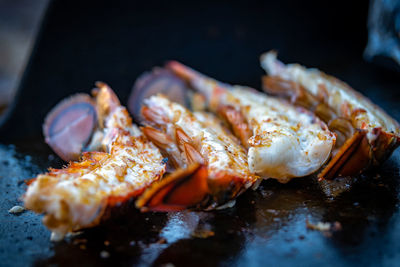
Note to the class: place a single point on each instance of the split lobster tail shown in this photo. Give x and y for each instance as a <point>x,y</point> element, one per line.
<point>211,166</point>
<point>367,135</point>
<point>83,193</point>
<point>282,141</point>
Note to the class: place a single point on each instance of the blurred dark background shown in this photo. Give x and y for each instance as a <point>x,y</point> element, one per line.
<point>19,22</point>
<point>80,42</point>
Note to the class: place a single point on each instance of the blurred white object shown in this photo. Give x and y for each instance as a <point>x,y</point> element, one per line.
<point>384,33</point>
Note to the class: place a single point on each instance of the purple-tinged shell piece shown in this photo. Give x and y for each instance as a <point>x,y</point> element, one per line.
<point>158,81</point>
<point>68,127</point>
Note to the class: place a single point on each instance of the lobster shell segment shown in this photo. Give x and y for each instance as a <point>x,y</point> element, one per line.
<point>182,189</point>
<point>157,81</point>
<point>68,127</point>
<point>370,134</point>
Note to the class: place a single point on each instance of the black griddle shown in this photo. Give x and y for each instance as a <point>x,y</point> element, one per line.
<point>81,42</point>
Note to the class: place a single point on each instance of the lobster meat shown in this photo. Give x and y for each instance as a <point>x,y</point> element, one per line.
<point>282,141</point>
<point>212,166</point>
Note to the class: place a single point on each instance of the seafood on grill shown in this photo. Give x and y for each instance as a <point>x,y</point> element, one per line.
<point>282,141</point>
<point>366,134</point>
<point>212,165</point>
<point>123,165</point>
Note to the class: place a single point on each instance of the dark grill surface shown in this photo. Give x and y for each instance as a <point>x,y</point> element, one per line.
<point>83,41</point>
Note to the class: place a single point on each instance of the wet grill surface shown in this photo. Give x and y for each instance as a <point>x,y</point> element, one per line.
<point>268,226</point>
